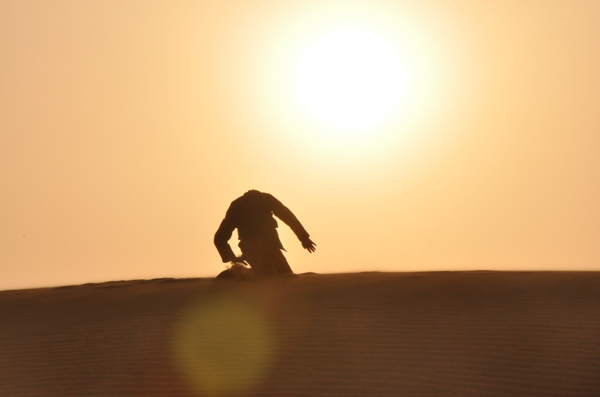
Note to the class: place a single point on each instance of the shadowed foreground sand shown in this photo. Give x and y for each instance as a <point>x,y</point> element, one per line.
<point>376,334</point>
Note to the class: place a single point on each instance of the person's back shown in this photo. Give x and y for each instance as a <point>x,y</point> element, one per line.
<point>252,215</point>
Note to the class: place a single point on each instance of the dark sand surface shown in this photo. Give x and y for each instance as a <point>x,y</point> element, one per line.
<point>365,334</point>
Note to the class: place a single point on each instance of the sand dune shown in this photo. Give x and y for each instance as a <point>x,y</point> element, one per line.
<point>375,334</point>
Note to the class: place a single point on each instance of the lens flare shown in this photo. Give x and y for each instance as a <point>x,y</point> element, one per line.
<point>223,346</point>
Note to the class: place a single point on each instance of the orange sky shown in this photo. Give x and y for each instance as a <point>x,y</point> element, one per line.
<point>127,128</point>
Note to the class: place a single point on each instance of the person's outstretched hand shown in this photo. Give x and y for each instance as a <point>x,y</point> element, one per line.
<point>309,245</point>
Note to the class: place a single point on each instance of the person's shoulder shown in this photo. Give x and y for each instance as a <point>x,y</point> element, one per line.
<point>268,196</point>
<point>235,206</point>
<point>237,201</point>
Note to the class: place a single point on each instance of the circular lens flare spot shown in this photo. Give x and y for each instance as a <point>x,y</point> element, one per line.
<point>223,346</point>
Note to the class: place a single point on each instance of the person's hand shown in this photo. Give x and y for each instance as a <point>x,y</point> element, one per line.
<point>309,245</point>
<point>239,260</point>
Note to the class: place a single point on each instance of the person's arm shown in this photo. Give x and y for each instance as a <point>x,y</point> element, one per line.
<point>284,213</point>
<point>222,237</point>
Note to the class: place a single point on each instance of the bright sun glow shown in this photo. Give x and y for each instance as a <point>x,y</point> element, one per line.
<point>358,82</point>
<point>350,78</point>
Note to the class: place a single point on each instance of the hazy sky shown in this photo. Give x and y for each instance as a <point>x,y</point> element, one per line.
<point>127,128</point>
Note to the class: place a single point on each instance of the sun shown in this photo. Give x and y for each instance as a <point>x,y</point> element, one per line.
<point>350,78</point>
<point>358,84</point>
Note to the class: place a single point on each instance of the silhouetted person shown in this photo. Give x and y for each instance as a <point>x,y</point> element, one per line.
<point>252,214</point>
